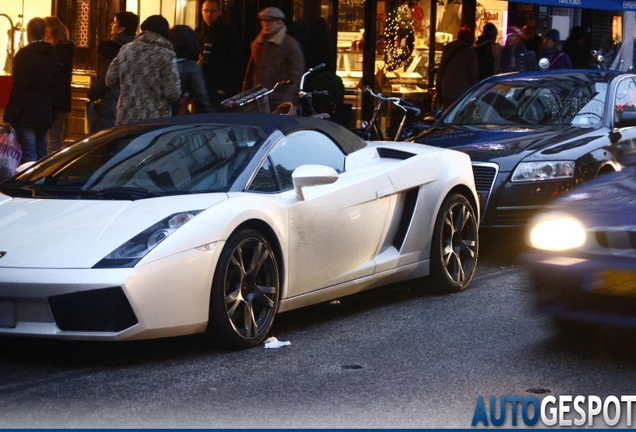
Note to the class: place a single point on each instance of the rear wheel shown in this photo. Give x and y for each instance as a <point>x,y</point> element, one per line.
<point>245,291</point>
<point>455,244</point>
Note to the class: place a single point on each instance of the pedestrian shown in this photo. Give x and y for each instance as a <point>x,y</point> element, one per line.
<point>122,30</point>
<point>576,48</point>
<point>488,51</point>
<point>608,51</point>
<point>531,40</point>
<point>30,105</point>
<point>550,50</point>
<point>146,72</point>
<point>515,57</point>
<point>57,35</point>
<point>186,47</point>
<point>459,68</point>
<point>221,54</point>
<point>275,56</point>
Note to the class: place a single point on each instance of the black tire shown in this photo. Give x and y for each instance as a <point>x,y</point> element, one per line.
<point>574,328</point>
<point>245,291</point>
<point>455,245</point>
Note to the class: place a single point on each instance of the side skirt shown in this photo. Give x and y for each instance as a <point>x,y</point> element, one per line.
<point>411,271</point>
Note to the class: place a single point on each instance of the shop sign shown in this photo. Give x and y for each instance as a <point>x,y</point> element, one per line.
<point>616,5</point>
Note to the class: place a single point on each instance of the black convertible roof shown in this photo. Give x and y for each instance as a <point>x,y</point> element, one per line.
<point>347,140</point>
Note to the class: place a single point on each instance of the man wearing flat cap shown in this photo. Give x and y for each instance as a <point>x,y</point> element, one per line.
<point>275,56</point>
<point>550,50</point>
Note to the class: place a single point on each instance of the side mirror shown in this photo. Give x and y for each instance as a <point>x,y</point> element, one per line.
<point>544,63</point>
<point>625,119</point>
<point>312,175</point>
<point>24,166</point>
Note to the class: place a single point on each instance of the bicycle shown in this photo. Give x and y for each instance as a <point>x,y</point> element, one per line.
<point>371,131</point>
<point>256,99</point>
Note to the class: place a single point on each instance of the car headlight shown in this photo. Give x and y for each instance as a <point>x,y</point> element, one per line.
<point>557,232</point>
<point>547,170</point>
<point>131,252</point>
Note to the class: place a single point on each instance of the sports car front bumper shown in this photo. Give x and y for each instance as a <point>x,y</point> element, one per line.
<point>168,297</point>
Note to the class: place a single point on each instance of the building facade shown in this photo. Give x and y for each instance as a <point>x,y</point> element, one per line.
<point>390,45</point>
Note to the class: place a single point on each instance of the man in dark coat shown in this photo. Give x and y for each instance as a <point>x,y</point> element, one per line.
<point>122,30</point>
<point>30,106</point>
<point>221,54</point>
<point>459,68</point>
<point>488,52</point>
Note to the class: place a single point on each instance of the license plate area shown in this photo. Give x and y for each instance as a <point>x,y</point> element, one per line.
<point>7,313</point>
<point>615,282</point>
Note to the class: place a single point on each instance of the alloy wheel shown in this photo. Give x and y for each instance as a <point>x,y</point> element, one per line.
<point>251,288</point>
<point>459,242</point>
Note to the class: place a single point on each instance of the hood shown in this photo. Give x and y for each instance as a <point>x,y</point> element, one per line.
<point>53,233</point>
<point>152,38</point>
<point>507,145</point>
<point>609,200</point>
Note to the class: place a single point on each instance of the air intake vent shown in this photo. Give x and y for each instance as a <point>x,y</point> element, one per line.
<point>407,217</point>
<point>484,176</point>
<point>101,310</point>
<point>387,153</point>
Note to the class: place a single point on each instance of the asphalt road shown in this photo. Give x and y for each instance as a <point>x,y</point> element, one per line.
<point>394,357</point>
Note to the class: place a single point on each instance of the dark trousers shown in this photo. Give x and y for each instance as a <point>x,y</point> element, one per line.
<point>33,142</point>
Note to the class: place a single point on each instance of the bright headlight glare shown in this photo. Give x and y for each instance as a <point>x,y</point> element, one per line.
<point>546,170</point>
<point>557,233</point>
<point>129,254</point>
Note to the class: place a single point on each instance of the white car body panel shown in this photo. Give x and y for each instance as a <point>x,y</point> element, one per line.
<point>48,233</point>
<point>335,242</point>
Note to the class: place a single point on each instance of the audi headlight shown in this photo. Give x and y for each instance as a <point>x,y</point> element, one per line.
<point>557,232</point>
<point>547,170</point>
<point>131,252</point>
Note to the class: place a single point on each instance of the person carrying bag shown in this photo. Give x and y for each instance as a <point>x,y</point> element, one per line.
<point>10,154</point>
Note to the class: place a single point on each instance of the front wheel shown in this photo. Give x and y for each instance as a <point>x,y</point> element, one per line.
<point>245,291</point>
<point>455,244</point>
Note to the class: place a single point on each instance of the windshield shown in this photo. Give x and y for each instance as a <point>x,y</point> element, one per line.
<point>556,100</point>
<point>145,161</point>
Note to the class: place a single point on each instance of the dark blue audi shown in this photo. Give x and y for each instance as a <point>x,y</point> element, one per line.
<point>533,136</point>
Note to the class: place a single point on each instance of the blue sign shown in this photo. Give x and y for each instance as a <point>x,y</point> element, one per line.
<point>617,5</point>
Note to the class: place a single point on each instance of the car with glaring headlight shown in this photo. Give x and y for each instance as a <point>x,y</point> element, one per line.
<point>215,223</point>
<point>583,262</point>
<point>535,135</point>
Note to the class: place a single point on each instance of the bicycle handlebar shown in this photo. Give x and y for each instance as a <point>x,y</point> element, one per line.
<point>316,68</point>
<point>398,102</point>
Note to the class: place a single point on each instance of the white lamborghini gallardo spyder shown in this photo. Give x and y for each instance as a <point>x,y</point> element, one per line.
<point>215,223</point>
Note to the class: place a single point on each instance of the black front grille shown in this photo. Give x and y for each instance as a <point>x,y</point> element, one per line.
<point>514,216</point>
<point>484,176</point>
<point>388,153</point>
<point>100,310</point>
<point>407,216</point>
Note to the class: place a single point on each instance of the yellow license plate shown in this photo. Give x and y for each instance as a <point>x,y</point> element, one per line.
<point>615,282</point>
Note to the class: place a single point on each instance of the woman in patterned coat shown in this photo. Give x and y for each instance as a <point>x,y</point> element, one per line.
<point>146,72</point>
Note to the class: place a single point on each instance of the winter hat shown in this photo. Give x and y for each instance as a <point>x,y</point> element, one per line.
<point>271,13</point>
<point>156,24</point>
<point>553,34</point>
